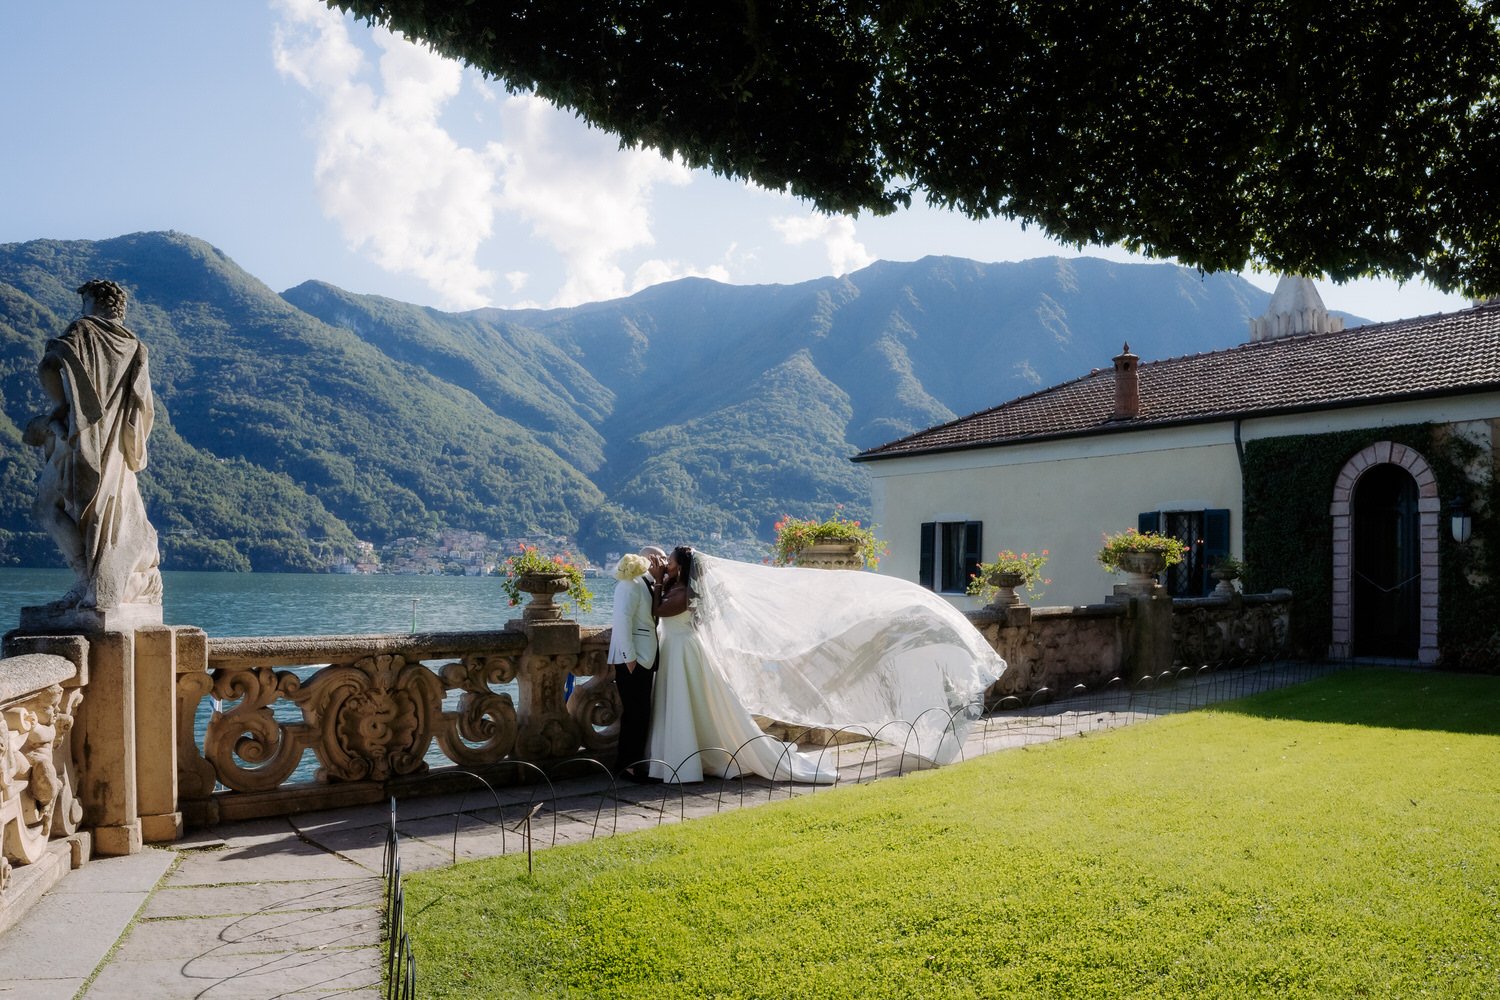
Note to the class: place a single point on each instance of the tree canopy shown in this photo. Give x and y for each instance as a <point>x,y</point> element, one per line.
<point>1345,138</point>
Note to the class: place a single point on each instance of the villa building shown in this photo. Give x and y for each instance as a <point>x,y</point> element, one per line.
<point>1331,460</point>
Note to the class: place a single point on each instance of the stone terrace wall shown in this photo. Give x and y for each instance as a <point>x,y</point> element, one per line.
<point>1234,629</point>
<point>1055,648</point>
<point>1059,648</point>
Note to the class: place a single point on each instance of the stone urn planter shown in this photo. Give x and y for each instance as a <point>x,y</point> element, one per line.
<point>1005,585</point>
<point>1141,570</point>
<point>542,587</point>
<point>1226,578</point>
<point>830,555</point>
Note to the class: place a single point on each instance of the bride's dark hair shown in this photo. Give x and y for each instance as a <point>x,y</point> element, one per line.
<point>684,557</point>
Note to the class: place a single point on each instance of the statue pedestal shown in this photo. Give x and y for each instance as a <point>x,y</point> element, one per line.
<point>122,618</point>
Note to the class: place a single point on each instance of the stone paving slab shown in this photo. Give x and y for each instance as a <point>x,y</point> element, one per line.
<point>244,832</point>
<point>259,897</point>
<point>133,873</point>
<point>303,974</point>
<point>475,800</point>
<point>362,848</point>
<point>101,899</point>
<point>272,931</point>
<point>29,883</point>
<point>40,989</point>
<point>287,860</point>
<point>309,823</point>
<point>360,844</point>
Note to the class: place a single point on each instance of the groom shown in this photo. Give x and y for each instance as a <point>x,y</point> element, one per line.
<point>632,649</point>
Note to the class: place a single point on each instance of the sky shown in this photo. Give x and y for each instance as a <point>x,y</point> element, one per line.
<point>307,145</point>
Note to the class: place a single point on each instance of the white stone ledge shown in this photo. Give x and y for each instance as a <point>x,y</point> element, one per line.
<point>31,672</point>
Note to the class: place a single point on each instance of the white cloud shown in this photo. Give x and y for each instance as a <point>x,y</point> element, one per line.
<point>398,186</point>
<point>655,271</point>
<point>404,192</point>
<point>835,232</point>
<point>580,193</point>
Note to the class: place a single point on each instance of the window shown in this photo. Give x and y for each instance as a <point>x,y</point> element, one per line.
<point>1206,534</point>
<point>950,555</point>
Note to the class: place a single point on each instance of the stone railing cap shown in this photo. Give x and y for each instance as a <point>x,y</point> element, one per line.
<point>1083,610</point>
<point>291,649</point>
<point>30,673</point>
<point>988,616</point>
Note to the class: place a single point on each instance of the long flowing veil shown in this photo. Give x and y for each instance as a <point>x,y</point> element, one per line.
<point>837,648</point>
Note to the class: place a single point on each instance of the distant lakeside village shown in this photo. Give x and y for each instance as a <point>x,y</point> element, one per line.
<point>473,553</point>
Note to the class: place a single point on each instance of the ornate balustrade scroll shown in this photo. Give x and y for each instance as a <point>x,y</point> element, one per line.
<point>371,707</point>
<point>38,699</point>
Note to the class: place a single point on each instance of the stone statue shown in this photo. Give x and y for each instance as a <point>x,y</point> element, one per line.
<point>93,444</point>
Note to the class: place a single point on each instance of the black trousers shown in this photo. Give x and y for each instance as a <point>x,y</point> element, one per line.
<point>635,712</point>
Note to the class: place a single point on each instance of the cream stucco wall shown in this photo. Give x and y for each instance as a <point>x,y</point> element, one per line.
<point>1063,495</point>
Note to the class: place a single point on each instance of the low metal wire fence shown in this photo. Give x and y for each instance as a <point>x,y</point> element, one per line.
<point>527,806</point>
<point>400,965</point>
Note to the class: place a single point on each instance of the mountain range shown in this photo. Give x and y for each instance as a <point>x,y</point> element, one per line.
<point>290,425</point>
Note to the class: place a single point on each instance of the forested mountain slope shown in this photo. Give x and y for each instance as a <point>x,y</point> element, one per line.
<point>295,423</point>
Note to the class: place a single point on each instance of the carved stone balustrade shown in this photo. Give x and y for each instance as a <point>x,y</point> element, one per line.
<point>1055,647</point>
<point>1058,648</point>
<point>39,695</point>
<point>313,722</point>
<point>382,714</point>
<point>1227,628</point>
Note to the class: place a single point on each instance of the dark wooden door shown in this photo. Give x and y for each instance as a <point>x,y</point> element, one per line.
<point>1387,577</point>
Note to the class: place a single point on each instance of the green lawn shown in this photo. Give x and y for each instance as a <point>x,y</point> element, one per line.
<point>1338,839</point>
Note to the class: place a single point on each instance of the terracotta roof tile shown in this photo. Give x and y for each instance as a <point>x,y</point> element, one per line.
<point>1433,355</point>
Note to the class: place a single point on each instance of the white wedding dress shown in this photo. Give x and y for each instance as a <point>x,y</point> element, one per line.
<point>821,648</point>
<point>699,725</point>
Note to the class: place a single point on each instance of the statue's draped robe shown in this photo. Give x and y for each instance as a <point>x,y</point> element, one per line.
<point>103,367</point>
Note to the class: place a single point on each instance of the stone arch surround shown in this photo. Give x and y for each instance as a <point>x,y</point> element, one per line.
<point>1429,509</point>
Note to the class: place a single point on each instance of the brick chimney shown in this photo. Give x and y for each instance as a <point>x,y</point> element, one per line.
<point>1127,386</point>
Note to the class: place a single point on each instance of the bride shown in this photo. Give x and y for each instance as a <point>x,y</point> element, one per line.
<point>811,647</point>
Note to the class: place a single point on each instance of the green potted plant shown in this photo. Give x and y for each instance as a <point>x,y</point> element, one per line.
<point>1140,554</point>
<point>834,543</point>
<point>999,579</point>
<point>530,572</point>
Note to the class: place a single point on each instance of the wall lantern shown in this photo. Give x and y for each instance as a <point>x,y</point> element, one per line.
<point>1460,520</point>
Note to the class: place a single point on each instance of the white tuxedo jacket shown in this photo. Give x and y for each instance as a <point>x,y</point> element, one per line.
<point>633,631</point>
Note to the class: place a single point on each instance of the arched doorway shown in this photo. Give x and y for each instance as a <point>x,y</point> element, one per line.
<point>1385,589</point>
<point>1385,555</point>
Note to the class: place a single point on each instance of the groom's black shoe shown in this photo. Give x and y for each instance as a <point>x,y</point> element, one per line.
<point>639,777</point>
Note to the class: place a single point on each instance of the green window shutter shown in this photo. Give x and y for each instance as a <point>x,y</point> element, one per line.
<point>929,554</point>
<point>1215,536</point>
<point>973,550</point>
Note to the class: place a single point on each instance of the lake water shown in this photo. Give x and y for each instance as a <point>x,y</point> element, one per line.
<point>224,604</point>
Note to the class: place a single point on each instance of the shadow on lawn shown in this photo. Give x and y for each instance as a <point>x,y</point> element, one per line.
<point>1385,698</point>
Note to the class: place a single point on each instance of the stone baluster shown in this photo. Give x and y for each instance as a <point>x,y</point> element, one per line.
<point>547,730</point>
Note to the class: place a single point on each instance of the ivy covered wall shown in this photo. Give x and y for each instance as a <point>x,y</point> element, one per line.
<point>1288,535</point>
